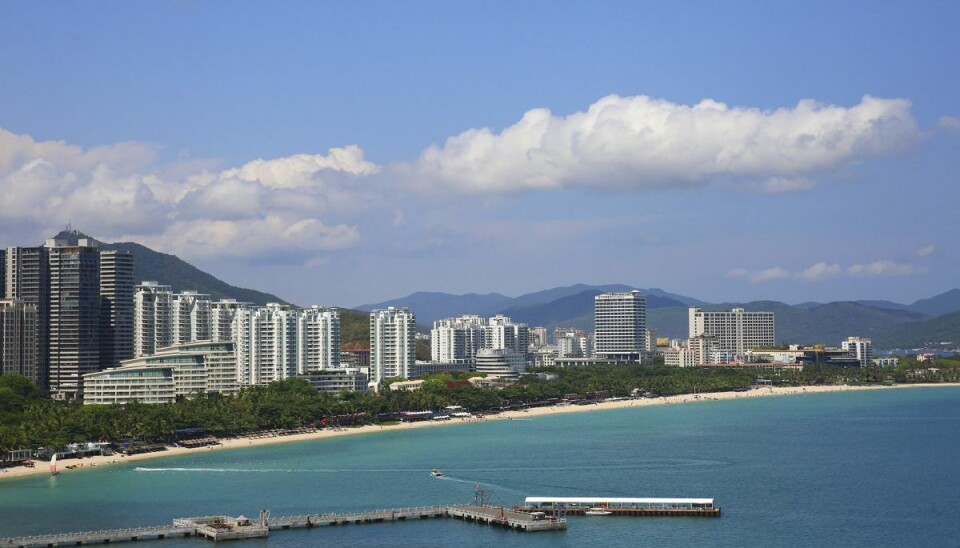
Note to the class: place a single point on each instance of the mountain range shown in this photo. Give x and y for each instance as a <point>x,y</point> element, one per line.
<point>925,322</point>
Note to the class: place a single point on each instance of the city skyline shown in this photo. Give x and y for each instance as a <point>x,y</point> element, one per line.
<point>791,152</point>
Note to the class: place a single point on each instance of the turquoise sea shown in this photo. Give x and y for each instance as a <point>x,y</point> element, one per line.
<point>872,468</point>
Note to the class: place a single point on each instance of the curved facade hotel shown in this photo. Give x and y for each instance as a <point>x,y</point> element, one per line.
<point>620,324</point>
<point>180,370</point>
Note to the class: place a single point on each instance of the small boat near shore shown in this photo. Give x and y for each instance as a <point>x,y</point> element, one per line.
<point>597,512</point>
<point>436,473</point>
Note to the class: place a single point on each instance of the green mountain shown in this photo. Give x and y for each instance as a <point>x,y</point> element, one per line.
<point>150,265</point>
<point>931,333</point>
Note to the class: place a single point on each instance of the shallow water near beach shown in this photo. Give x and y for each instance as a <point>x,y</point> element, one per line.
<point>872,468</point>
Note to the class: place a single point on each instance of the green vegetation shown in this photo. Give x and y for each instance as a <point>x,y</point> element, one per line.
<point>354,328</point>
<point>28,420</point>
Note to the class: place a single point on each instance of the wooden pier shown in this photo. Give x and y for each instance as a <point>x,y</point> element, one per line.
<point>222,527</point>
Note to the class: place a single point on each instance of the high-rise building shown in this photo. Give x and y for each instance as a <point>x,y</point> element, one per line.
<point>736,332</point>
<point>860,348</point>
<point>267,344</point>
<point>190,313</point>
<point>456,340</point>
<point>572,343</point>
<point>222,315</point>
<point>19,339</point>
<point>74,315</point>
<point>3,273</point>
<point>392,343</point>
<point>501,333</point>
<point>116,307</point>
<point>152,320</point>
<point>318,340</point>
<point>620,325</point>
<point>28,279</point>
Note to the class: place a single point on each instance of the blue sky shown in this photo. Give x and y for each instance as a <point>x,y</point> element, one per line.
<point>347,153</point>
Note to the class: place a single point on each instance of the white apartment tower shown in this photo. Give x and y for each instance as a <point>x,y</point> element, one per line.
<point>736,331</point>
<point>152,320</point>
<point>318,340</point>
<point>191,317</point>
<point>501,333</point>
<point>392,343</point>
<point>620,325</point>
<point>222,315</point>
<point>860,348</point>
<point>456,340</point>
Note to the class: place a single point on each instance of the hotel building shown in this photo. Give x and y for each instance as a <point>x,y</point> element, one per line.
<point>182,370</point>
<point>620,325</point>
<point>736,332</point>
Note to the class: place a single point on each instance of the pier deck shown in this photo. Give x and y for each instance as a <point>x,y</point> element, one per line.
<point>219,528</point>
<point>101,537</point>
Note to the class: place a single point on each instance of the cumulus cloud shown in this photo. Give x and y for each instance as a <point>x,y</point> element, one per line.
<point>639,143</point>
<point>820,271</point>
<point>769,275</point>
<point>881,268</point>
<point>264,208</point>
<point>826,271</point>
<point>927,250</point>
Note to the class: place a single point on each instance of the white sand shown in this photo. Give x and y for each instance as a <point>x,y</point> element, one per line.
<point>43,468</point>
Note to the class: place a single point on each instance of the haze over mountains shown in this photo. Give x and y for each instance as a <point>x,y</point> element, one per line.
<point>927,321</point>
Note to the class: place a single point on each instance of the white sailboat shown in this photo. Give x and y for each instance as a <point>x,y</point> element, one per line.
<point>53,465</point>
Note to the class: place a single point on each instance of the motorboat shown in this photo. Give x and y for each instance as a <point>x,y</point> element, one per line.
<point>597,512</point>
<point>436,473</point>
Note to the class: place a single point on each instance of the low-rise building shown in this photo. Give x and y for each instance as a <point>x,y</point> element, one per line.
<point>180,370</point>
<point>336,381</point>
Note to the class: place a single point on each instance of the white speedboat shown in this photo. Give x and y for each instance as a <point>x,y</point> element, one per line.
<point>597,512</point>
<point>436,473</point>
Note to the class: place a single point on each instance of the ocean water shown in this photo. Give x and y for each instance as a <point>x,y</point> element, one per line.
<point>872,468</point>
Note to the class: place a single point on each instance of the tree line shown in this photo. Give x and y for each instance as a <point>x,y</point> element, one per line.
<point>28,420</point>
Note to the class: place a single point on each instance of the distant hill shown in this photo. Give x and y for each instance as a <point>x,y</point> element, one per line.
<point>150,265</point>
<point>573,310</point>
<point>944,303</point>
<point>433,306</point>
<point>926,333</point>
<point>430,306</point>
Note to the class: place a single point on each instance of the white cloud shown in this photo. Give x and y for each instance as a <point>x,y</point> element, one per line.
<point>927,250</point>
<point>881,268</point>
<point>820,271</point>
<point>949,123</point>
<point>642,143</point>
<point>265,208</point>
<point>738,273</point>
<point>769,274</point>
<point>301,170</point>
<point>826,271</point>
<point>273,236</point>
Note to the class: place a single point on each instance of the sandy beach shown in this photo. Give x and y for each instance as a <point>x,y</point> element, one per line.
<point>42,468</point>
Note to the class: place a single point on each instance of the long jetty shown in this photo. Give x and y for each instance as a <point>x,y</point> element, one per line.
<point>222,527</point>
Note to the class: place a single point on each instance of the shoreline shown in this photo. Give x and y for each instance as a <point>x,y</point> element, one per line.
<point>41,468</point>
